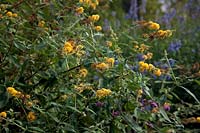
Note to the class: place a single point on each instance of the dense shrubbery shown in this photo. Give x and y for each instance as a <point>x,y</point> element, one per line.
<point>66,68</point>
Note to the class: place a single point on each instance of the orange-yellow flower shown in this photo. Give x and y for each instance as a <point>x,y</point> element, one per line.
<point>153,26</point>
<point>31,117</point>
<point>14,92</point>
<point>9,14</point>
<point>102,66</point>
<point>94,18</point>
<point>79,10</point>
<point>110,61</point>
<point>14,15</point>
<point>98,28</point>
<point>3,114</point>
<point>157,72</point>
<point>83,72</point>
<point>103,92</point>
<point>68,47</point>
<point>41,24</point>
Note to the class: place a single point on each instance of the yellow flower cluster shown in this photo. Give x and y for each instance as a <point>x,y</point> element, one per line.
<point>149,24</point>
<point>69,47</point>
<point>14,92</point>
<point>31,117</point>
<point>92,3</point>
<point>83,72</point>
<point>3,114</point>
<point>101,66</point>
<point>103,92</point>
<point>98,28</point>
<point>41,24</point>
<point>94,18</point>
<point>149,67</point>
<point>153,25</point>
<point>109,62</point>
<point>163,33</point>
<point>79,10</point>
<point>80,88</point>
<point>10,14</point>
<point>142,48</point>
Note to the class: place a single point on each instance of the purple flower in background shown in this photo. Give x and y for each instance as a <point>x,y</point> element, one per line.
<point>140,57</point>
<point>167,18</point>
<point>172,62</point>
<point>164,66</point>
<point>116,62</point>
<point>133,10</point>
<point>99,104</point>
<point>154,104</point>
<point>174,46</point>
<point>115,113</point>
<point>106,25</point>
<point>166,106</point>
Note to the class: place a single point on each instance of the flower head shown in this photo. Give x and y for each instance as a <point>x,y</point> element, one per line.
<point>9,14</point>
<point>94,18</point>
<point>98,28</point>
<point>110,61</point>
<point>79,10</point>
<point>31,117</point>
<point>83,72</point>
<point>166,106</point>
<point>153,26</point>
<point>41,24</point>
<point>103,92</point>
<point>68,47</point>
<point>3,114</point>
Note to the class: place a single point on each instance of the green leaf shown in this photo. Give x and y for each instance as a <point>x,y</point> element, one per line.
<point>188,91</point>
<point>164,114</point>
<point>36,129</point>
<point>74,109</point>
<point>3,97</point>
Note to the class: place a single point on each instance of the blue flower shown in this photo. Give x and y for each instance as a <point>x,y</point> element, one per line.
<point>174,46</point>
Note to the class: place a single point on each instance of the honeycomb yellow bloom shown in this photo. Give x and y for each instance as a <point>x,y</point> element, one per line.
<point>41,24</point>
<point>79,10</point>
<point>81,87</point>
<point>149,55</point>
<point>153,26</point>
<point>102,66</point>
<point>14,92</point>
<point>3,114</point>
<point>68,47</point>
<point>110,61</point>
<point>83,72</point>
<point>151,67</point>
<point>94,18</point>
<point>31,117</point>
<point>15,15</point>
<point>157,72</point>
<point>103,92</point>
<point>98,28</point>
<point>9,14</point>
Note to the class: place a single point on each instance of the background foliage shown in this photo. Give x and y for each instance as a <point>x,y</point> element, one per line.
<point>64,70</point>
